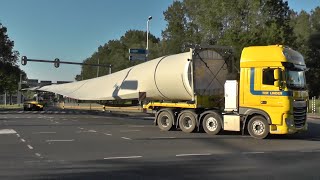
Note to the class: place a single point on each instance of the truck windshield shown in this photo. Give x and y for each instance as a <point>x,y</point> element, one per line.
<point>295,79</point>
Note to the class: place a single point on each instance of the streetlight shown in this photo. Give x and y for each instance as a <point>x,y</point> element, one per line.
<point>149,18</point>
<point>19,91</point>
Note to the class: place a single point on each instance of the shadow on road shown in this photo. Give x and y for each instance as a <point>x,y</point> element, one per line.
<point>234,166</point>
<point>312,134</point>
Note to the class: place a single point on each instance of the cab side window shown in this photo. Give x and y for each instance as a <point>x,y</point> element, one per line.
<point>267,76</point>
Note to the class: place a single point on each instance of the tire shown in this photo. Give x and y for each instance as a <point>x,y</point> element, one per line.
<point>187,121</point>
<point>258,127</point>
<point>165,120</point>
<point>212,123</point>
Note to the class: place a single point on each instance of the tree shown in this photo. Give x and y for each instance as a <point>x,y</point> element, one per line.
<point>241,23</point>
<point>180,29</point>
<point>7,54</point>
<point>9,71</point>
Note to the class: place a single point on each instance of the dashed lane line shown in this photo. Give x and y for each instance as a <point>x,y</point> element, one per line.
<point>44,132</point>
<point>253,152</point>
<point>107,134</point>
<point>123,157</point>
<point>136,126</point>
<point>7,131</point>
<point>60,140</point>
<point>126,138</point>
<point>133,130</point>
<point>183,155</point>
<point>29,146</point>
<point>170,137</point>
<point>23,140</point>
<point>38,154</point>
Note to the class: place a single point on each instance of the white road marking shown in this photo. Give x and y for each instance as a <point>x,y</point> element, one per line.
<point>125,157</point>
<point>88,131</point>
<point>18,135</point>
<point>7,131</point>
<point>81,128</point>
<point>37,154</point>
<point>136,126</point>
<point>126,138</point>
<point>134,130</point>
<point>147,117</point>
<point>162,137</point>
<point>30,147</point>
<point>253,152</point>
<point>60,140</point>
<point>44,132</point>
<point>20,112</point>
<point>204,154</point>
<point>23,140</point>
<point>107,134</point>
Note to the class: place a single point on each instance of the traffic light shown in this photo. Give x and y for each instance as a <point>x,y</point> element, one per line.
<point>56,62</point>
<point>24,60</point>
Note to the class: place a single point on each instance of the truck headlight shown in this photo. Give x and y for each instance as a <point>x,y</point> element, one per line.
<point>289,122</point>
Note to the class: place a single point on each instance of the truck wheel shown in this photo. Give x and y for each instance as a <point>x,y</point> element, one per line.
<point>211,123</point>
<point>258,127</point>
<point>187,121</point>
<point>165,120</point>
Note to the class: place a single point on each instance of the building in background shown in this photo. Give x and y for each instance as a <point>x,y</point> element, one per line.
<point>32,85</point>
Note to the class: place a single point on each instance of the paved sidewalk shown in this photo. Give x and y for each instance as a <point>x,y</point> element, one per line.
<point>315,116</point>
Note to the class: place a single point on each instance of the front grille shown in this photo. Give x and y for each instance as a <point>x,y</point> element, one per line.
<point>299,113</point>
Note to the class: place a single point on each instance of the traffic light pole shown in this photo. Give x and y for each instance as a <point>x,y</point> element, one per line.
<point>25,59</point>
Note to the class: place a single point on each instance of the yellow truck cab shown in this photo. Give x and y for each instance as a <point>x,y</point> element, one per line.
<point>273,88</point>
<point>270,97</point>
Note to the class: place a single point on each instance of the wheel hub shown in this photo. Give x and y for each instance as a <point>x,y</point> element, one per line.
<point>258,127</point>
<point>211,124</point>
<point>187,122</point>
<point>164,121</point>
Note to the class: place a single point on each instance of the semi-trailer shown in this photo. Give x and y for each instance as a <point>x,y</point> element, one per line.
<point>194,90</point>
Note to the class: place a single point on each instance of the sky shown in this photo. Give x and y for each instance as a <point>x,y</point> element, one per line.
<point>72,30</point>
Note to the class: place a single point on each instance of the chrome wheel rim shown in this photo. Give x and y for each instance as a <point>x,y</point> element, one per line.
<point>258,127</point>
<point>211,124</point>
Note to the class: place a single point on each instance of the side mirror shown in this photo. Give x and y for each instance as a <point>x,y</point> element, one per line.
<point>276,77</point>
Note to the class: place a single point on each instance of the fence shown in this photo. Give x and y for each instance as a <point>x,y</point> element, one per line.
<point>314,105</point>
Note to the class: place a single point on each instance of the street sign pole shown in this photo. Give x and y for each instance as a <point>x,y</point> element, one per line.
<point>138,54</point>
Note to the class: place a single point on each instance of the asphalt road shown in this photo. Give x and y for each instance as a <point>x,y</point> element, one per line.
<point>64,144</point>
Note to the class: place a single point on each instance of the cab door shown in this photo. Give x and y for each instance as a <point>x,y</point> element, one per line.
<point>271,100</point>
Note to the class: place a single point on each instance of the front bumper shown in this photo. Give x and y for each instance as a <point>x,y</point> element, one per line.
<point>288,127</point>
